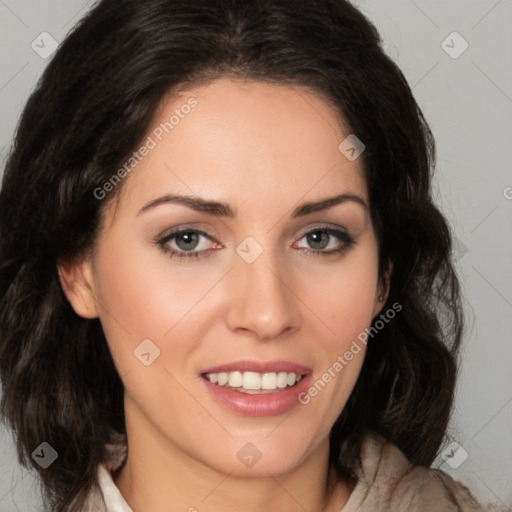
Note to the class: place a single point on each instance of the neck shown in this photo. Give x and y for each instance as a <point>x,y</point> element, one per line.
<point>159,476</point>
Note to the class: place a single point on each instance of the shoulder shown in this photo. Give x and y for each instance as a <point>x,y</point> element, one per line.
<point>104,496</point>
<point>387,481</point>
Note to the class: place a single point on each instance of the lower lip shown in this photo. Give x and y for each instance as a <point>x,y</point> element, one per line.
<point>269,404</point>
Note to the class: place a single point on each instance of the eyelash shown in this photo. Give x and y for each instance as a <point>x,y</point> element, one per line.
<point>342,236</point>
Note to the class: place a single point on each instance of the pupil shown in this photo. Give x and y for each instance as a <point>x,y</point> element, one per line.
<point>190,239</point>
<point>319,238</point>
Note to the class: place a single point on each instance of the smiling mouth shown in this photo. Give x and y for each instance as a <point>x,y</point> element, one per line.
<point>254,383</point>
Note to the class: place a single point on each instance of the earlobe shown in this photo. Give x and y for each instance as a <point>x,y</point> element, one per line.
<point>383,290</point>
<point>76,280</point>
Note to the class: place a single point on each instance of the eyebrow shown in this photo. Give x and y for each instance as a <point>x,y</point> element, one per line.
<point>219,209</point>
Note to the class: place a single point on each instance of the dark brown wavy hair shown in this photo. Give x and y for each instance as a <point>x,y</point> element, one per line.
<point>89,112</point>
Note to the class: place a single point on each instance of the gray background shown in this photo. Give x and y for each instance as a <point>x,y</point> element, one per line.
<point>467,99</point>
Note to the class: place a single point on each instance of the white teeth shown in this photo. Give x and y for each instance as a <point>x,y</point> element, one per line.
<point>254,381</point>
<point>235,379</point>
<point>282,380</point>
<point>269,381</point>
<point>250,380</point>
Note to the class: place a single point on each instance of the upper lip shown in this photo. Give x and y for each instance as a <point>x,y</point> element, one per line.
<point>247,365</point>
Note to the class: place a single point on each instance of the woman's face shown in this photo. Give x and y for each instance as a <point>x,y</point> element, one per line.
<point>260,286</point>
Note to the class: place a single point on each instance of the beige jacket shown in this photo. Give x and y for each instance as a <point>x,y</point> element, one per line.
<point>387,483</point>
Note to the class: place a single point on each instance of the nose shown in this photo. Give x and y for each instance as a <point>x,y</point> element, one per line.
<point>262,301</point>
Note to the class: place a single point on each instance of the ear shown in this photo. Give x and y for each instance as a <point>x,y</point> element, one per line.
<point>383,290</point>
<point>76,280</point>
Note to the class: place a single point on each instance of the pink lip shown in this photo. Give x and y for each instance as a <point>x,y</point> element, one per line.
<point>271,404</point>
<point>247,365</point>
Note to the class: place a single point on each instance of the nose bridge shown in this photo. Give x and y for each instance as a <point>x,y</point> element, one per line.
<point>262,301</point>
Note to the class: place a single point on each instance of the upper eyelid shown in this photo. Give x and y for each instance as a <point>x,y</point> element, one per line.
<point>303,231</point>
<point>324,227</point>
<point>173,234</point>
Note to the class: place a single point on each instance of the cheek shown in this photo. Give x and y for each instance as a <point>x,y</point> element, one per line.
<point>143,290</point>
<point>133,300</point>
<point>143,294</point>
<point>344,301</point>
<point>343,296</point>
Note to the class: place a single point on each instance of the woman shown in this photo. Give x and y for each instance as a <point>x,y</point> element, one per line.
<point>225,284</point>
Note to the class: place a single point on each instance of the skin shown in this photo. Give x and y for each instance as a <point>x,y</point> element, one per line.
<point>264,149</point>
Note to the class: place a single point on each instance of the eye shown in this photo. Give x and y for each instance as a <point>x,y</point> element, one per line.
<point>186,243</point>
<point>323,238</point>
<point>192,243</point>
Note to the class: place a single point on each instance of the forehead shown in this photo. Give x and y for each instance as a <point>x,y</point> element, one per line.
<point>244,142</point>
